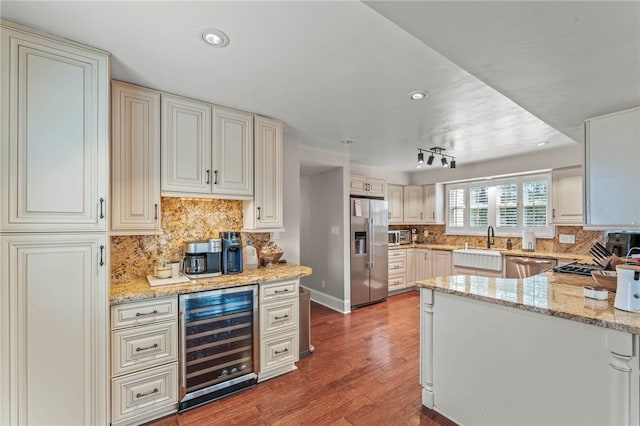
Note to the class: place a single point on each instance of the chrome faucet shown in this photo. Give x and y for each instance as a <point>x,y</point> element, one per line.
<point>491,237</point>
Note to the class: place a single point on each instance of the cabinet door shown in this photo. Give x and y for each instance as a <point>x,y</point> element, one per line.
<point>412,200</point>
<point>185,145</point>
<point>567,196</point>
<point>612,155</point>
<point>394,199</point>
<point>266,212</point>
<point>232,152</point>
<point>53,148</point>
<point>375,187</point>
<point>358,185</point>
<point>440,263</point>
<point>135,160</point>
<point>422,264</point>
<point>411,267</point>
<point>429,203</point>
<point>54,344</point>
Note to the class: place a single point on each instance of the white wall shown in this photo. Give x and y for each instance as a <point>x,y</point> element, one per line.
<point>289,240</point>
<point>324,202</point>
<point>397,178</point>
<point>544,159</point>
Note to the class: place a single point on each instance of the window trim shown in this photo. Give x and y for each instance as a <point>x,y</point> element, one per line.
<point>540,232</point>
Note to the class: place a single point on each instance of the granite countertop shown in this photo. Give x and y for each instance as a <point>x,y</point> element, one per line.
<point>568,257</point>
<point>554,294</point>
<point>138,289</point>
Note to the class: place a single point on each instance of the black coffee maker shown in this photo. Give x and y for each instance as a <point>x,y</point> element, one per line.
<point>231,252</point>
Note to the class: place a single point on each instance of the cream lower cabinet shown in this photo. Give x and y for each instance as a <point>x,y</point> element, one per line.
<point>53,342</point>
<point>266,211</point>
<point>135,160</point>
<point>440,263</point>
<point>279,328</point>
<point>144,360</point>
<point>411,267</point>
<point>422,262</point>
<point>397,269</point>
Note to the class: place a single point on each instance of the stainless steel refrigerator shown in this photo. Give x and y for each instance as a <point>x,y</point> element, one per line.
<point>369,245</point>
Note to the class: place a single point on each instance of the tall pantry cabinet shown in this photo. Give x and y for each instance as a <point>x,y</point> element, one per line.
<point>53,223</point>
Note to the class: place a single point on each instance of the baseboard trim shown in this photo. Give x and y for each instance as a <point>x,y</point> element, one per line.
<point>329,301</point>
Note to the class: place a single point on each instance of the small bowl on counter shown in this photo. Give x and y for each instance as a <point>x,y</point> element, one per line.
<point>271,259</point>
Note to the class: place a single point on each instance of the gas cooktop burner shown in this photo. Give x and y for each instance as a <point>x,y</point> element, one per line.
<point>577,268</point>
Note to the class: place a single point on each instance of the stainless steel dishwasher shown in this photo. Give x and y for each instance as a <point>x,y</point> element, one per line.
<point>523,267</point>
<point>218,356</point>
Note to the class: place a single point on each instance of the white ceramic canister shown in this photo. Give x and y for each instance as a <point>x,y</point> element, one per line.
<point>162,269</point>
<point>628,288</point>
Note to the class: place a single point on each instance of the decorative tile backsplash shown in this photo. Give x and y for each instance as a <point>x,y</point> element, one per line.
<point>584,239</point>
<point>182,219</point>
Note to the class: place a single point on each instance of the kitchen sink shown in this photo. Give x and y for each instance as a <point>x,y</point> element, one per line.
<point>478,259</point>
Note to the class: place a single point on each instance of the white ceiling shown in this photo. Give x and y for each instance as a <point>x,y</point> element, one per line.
<point>502,76</point>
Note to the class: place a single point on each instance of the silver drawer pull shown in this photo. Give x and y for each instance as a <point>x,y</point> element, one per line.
<point>284,351</point>
<point>282,317</point>
<point>155,345</point>
<point>140,395</point>
<point>139,314</point>
<point>286,290</point>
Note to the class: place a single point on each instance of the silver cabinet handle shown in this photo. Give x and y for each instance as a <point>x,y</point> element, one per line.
<point>208,174</point>
<point>101,200</point>
<point>142,314</point>
<point>215,177</point>
<point>140,395</point>
<point>155,345</point>
<point>101,262</point>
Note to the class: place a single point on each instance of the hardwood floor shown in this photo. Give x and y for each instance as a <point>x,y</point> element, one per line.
<point>364,371</point>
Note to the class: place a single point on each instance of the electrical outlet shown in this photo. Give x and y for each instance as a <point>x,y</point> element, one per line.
<point>323,283</point>
<point>567,238</point>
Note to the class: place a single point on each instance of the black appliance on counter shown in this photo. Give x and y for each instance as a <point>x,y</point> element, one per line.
<point>619,243</point>
<point>202,259</point>
<point>218,344</point>
<point>231,252</point>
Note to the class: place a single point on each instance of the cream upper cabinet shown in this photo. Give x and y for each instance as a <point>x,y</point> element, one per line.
<point>612,155</point>
<point>265,212</point>
<point>232,152</point>
<point>54,342</point>
<point>413,204</point>
<point>566,191</point>
<point>53,143</point>
<point>429,202</point>
<point>135,160</point>
<point>394,200</point>
<point>185,146</point>
<point>368,187</point>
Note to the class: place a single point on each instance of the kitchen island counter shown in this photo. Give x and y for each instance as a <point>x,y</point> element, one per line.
<point>139,288</point>
<point>527,351</point>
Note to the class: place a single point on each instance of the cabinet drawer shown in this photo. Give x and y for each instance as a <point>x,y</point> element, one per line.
<point>395,254</point>
<point>278,316</point>
<point>397,265</point>
<point>142,347</point>
<point>282,289</point>
<point>136,394</point>
<point>278,349</point>
<point>397,281</point>
<point>145,312</point>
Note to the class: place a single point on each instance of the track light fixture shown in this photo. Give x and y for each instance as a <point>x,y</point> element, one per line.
<point>432,153</point>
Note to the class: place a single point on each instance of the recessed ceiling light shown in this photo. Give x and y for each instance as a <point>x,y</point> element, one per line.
<point>543,143</point>
<point>418,95</point>
<point>214,37</point>
<point>347,141</point>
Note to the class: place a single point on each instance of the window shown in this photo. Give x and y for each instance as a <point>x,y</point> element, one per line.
<point>510,205</point>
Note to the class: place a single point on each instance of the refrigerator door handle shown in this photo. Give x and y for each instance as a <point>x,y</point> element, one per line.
<point>371,242</point>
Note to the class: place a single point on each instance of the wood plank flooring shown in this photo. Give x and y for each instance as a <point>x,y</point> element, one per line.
<point>364,371</point>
